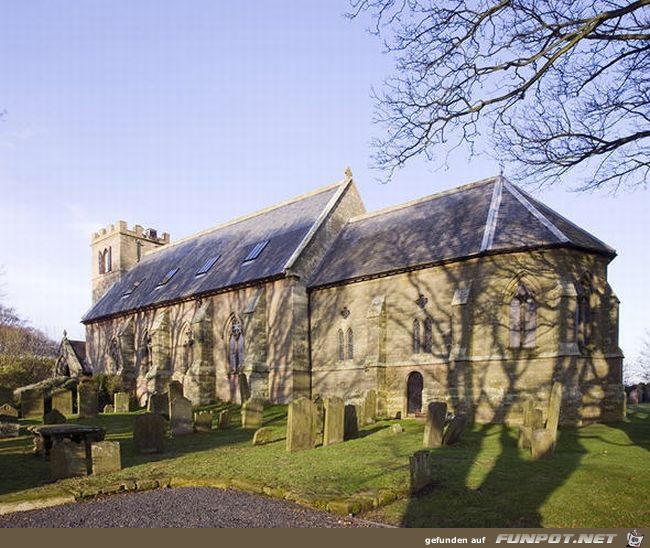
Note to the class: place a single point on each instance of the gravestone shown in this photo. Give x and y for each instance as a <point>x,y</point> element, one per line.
<point>542,444</point>
<point>633,396</point>
<point>351,423</point>
<point>87,399</point>
<point>149,433</point>
<point>421,471</point>
<point>158,404</point>
<point>175,390</point>
<point>224,419</point>
<point>54,417</point>
<point>300,428</point>
<point>319,419</point>
<point>370,406</point>
<point>203,422</point>
<point>6,395</point>
<point>31,404</point>
<point>252,413</point>
<point>455,429</point>
<point>554,406</point>
<point>181,419</point>
<point>105,456</point>
<point>108,408</point>
<point>7,410</point>
<point>121,402</point>
<point>397,429</point>
<point>435,423</point>
<point>62,401</point>
<point>9,427</point>
<point>263,436</point>
<point>68,459</point>
<point>333,430</point>
<point>534,420</point>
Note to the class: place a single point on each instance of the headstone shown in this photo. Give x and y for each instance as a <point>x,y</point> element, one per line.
<point>158,404</point>
<point>62,401</point>
<point>224,419</point>
<point>300,430</point>
<point>181,419</point>
<point>351,424</point>
<point>370,406</point>
<point>9,427</point>
<point>542,444</point>
<point>68,459</point>
<point>435,423</point>
<point>54,417</point>
<point>455,429</point>
<point>361,414</point>
<point>263,436</point>
<point>7,410</point>
<point>6,395</point>
<point>203,422</point>
<point>244,389</point>
<point>87,399</point>
<point>633,396</point>
<point>319,419</point>
<point>397,429</point>
<point>105,457</point>
<point>149,433</point>
<point>334,420</point>
<point>121,402</point>
<point>533,419</point>
<point>421,471</point>
<point>108,408</point>
<point>251,413</point>
<point>31,404</point>
<point>175,390</point>
<point>554,406</point>
<point>527,408</point>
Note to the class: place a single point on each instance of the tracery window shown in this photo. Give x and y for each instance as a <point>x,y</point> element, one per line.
<point>416,336</point>
<point>523,318</point>
<point>350,345</point>
<point>236,346</point>
<point>428,336</point>
<point>341,345</point>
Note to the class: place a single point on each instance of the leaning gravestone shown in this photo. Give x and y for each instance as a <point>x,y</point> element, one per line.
<point>181,418</point>
<point>224,419</point>
<point>87,399</point>
<point>54,417</point>
<point>7,410</point>
<point>121,402</point>
<point>263,436</point>
<point>421,471</point>
<point>9,427</point>
<point>433,428</point>
<point>149,433</point>
<point>203,422</point>
<point>68,459</point>
<point>351,423</point>
<point>252,413</point>
<point>455,429</point>
<point>62,401</point>
<point>300,425</point>
<point>334,420</point>
<point>158,404</point>
<point>108,409</point>
<point>31,404</point>
<point>370,406</point>
<point>105,456</point>
<point>175,390</point>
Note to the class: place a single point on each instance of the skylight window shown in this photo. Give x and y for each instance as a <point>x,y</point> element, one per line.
<point>131,289</point>
<point>207,265</point>
<point>255,252</point>
<point>168,277</point>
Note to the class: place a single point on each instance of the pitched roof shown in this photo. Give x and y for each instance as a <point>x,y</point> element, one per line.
<point>285,226</point>
<point>488,216</point>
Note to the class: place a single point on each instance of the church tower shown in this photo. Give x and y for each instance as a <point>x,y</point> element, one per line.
<point>115,249</point>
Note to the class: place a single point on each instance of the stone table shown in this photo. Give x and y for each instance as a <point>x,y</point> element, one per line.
<point>46,435</point>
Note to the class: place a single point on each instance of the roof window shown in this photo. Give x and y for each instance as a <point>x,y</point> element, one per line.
<point>207,265</point>
<point>131,289</point>
<point>168,277</point>
<point>255,252</point>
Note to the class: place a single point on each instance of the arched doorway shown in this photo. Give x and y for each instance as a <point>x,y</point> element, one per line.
<point>414,385</point>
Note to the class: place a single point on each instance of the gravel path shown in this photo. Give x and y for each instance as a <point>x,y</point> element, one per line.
<point>183,507</point>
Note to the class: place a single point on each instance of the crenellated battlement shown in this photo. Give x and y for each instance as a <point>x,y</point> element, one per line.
<point>121,227</point>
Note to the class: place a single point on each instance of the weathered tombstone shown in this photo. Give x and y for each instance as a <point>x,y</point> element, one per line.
<point>149,433</point>
<point>455,429</point>
<point>351,423</point>
<point>263,436</point>
<point>87,399</point>
<point>203,422</point>
<point>175,390</point>
<point>181,419</point>
<point>54,417</point>
<point>397,429</point>
<point>554,406</point>
<point>542,444</point>
<point>334,420</point>
<point>251,413</point>
<point>534,420</point>
<point>370,406</point>
<point>105,457</point>
<point>6,395</point>
<point>421,471</point>
<point>300,430</point>
<point>318,421</point>
<point>62,401</point>
<point>9,427</point>
<point>244,389</point>
<point>435,423</point>
<point>121,402</point>
<point>158,404</point>
<point>224,419</point>
<point>68,459</point>
<point>7,410</point>
<point>31,404</point>
<point>108,408</point>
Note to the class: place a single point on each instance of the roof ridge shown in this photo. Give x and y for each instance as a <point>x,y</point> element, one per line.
<point>244,217</point>
<point>428,198</point>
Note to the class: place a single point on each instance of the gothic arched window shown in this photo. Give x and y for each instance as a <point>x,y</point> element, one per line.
<point>350,345</point>
<point>100,263</point>
<point>523,318</point>
<point>341,345</point>
<point>584,314</point>
<point>235,346</point>
<point>428,336</point>
<point>416,336</point>
<point>187,349</point>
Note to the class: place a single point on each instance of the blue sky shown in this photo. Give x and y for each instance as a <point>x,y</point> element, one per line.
<point>181,115</point>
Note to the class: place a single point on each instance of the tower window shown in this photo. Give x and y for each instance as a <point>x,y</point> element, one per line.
<point>416,336</point>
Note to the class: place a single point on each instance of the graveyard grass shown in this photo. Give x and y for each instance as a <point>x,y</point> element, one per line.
<point>597,478</point>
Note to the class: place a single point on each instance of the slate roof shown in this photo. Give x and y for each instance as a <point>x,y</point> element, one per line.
<point>488,216</point>
<point>285,226</point>
<point>79,349</point>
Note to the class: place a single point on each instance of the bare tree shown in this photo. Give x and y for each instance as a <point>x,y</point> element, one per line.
<point>560,85</point>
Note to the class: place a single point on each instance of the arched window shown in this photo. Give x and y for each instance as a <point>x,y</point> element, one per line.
<point>145,351</point>
<point>187,349</point>
<point>428,336</point>
<point>341,347</point>
<point>236,346</point>
<point>523,318</point>
<point>583,314</point>
<point>350,349</point>
<point>100,263</point>
<point>108,260</point>
<point>416,336</point>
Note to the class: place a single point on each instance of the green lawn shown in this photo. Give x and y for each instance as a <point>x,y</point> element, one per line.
<point>598,477</point>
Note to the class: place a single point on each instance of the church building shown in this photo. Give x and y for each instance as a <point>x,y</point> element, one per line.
<point>480,296</point>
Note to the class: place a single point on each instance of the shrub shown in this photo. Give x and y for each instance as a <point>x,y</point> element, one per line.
<point>107,385</point>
